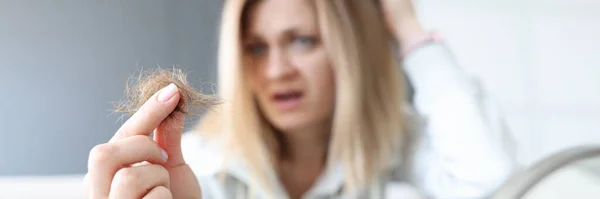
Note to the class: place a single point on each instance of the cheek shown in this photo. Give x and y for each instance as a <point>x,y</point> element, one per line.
<point>323,95</point>
<point>252,73</point>
<point>320,77</point>
<point>254,80</point>
<point>326,86</point>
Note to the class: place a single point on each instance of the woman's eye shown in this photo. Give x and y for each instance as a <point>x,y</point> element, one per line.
<point>305,41</point>
<point>256,49</point>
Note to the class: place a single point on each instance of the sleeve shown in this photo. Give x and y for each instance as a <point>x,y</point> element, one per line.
<point>462,149</point>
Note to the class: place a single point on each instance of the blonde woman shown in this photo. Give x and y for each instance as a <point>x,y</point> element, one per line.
<point>314,107</point>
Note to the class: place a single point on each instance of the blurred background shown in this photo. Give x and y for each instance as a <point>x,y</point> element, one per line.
<point>63,62</point>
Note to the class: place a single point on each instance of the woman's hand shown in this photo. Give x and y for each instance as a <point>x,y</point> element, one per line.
<point>133,165</point>
<point>402,20</point>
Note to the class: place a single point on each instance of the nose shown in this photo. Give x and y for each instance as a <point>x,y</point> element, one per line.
<point>279,67</point>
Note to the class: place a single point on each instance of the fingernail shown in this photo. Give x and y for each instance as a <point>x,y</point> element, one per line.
<point>165,156</point>
<point>167,93</point>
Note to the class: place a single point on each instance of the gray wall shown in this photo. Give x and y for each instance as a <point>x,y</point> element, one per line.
<point>63,62</point>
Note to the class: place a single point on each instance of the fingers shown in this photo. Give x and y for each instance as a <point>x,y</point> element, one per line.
<point>106,159</point>
<point>168,136</point>
<point>184,183</point>
<point>151,114</point>
<point>135,182</point>
<point>159,192</point>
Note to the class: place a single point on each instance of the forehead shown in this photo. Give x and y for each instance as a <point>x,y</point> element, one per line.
<point>270,17</point>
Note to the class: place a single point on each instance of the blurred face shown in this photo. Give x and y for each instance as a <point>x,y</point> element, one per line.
<point>287,65</point>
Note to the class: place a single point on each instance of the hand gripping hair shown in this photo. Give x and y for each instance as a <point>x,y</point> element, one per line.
<point>140,89</point>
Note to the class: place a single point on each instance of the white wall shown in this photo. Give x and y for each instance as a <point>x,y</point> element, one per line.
<point>540,60</point>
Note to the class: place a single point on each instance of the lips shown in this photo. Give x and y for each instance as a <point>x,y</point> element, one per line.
<point>287,100</point>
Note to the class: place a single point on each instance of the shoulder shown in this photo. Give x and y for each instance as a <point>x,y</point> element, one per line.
<point>202,155</point>
<point>206,159</point>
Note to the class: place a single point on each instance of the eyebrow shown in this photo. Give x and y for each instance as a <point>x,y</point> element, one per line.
<point>291,31</point>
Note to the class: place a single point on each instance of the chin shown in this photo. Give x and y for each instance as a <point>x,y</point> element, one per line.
<point>291,122</point>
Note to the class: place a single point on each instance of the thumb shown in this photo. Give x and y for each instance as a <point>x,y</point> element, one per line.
<point>168,136</point>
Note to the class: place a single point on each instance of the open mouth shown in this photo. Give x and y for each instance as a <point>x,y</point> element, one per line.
<point>287,96</point>
<point>287,100</point>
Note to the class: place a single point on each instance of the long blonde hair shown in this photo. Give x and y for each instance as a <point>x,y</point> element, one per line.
<point>368,125</point>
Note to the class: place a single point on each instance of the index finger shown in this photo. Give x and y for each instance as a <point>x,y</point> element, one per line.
<point>151,114</point>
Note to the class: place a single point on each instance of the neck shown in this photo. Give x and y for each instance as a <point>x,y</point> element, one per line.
<point>302,158</point>
<point>306,145</point>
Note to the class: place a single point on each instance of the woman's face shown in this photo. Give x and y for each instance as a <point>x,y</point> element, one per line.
<point>287,65</point>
